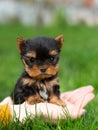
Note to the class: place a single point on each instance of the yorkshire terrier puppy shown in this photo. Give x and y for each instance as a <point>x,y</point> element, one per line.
<point>39,81</point>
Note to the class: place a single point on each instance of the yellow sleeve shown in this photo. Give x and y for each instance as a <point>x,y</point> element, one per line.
<point>5,114</point>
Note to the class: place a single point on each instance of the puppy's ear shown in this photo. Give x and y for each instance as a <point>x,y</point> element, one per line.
<point>60,40</point>
<point>21,43</point>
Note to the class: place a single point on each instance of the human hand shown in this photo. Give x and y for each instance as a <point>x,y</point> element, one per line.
<point>77,99</point>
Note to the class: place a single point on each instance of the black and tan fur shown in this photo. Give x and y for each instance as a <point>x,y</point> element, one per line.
<point>39,81</point>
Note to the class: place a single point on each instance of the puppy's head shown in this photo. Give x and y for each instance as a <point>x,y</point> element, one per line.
<point>40,55</point>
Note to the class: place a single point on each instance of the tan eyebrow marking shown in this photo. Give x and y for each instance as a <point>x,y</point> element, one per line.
<point>53,53</point>
<point>31,54</point>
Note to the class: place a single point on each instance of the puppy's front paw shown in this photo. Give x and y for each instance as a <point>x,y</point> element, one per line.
<point>57,101</point>
<point>34,99</point>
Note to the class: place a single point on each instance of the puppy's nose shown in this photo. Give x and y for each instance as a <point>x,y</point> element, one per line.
<point>43,70</point>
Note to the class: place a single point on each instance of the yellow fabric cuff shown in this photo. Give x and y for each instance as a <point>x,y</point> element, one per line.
<point>5,114</point>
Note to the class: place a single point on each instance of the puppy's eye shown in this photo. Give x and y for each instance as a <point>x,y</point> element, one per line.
<point>32,59</point>
<point>51,58</point>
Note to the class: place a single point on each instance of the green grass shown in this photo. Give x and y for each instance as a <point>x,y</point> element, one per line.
<point>78,67</point>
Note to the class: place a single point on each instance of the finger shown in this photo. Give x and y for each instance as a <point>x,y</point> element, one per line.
<point>80,105</point>
<point>74,111</point>
<point>81,112</point>
<point>83,102</point>
<point>77,115</point>
<point>77,94</point>
<point>87,89</point>
<point>88,98</point>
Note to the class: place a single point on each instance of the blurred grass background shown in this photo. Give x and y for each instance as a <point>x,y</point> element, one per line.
<point>78,61</point>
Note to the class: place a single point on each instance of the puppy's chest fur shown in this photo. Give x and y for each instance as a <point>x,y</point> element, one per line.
<point>45,88</point>
<point>39,90</point>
